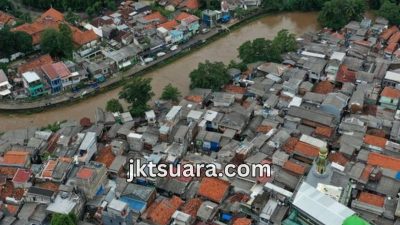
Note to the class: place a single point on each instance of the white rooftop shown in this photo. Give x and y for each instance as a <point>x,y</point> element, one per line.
<point>194,114</point>
<point>117,205</point>
<point>173,112</point>
<point>30,76</point>
<point>313,141</point>
<point>210,115</point>
<point>338,56</point>
<point>320,207</point>
<point>392,76</point>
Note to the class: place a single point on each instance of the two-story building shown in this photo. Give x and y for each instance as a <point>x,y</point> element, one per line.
<point>33,84</point>
<point>390,98</point>
<point>5,86</point>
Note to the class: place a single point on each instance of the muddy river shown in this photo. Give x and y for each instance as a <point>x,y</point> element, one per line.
<point>177,73</point>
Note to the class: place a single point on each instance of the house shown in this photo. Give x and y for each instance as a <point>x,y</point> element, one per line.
<point>181,218</point>
<point>91,179</point>
<point>162,211</point>
<point>6,19</point>
<point>176,36</point>
<point>138,197</point>
<point>87,148</point>
<point>207,211</point>
<point>211,17</point>
<point>117,212</point>
<point>20,159</point>
<point>66,201</point>
<point>391,79</point>
<point>213,189</point>
<point>53,78</point>
<point>33,84</point>
<point>39,195</point>
<point>21,178</point>
<point>334,104</point>
<point>35,64</point>
<point>312,118</point>
<point>123,57</point>
<point>5,86</point>
<point>189,22</point>
<point>390,98</point>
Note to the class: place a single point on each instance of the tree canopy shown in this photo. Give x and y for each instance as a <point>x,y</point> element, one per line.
<point>113,105</point>
<point>57,43</point>
<point>391,11</point>
<point>261,49</point>
<point>13,42</point>
<point>287,5</point>
<point>337,13</point>
<point>63,219</point>
<point>170,93</point>
<point>137,93</point>
<point>209,75</point>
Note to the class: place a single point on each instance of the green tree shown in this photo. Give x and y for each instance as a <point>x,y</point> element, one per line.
<point>209,75</point>
<point>12,42</point>
<point>113,105</point>
<point>137,93</point>
<point>285,42</point>
<point>63,219</point>
<point>337,13</point>
<point>390,11</point>
<point>71,17</point>
<point>171,93</point>
<point>237,65</point>
<point>57,43</point>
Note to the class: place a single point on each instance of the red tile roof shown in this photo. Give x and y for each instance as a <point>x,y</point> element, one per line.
<point>391,92</point>
<point>6,18</point>
<point>384,161</point>
<point>323,87</point>
<point>345,75</point>
<point>242,221</point>
<point>391,48</point>
<point>80,37</point>
<point>213,188</point>
<point>170,25</point>
<point>194,98</point>
<point>49,168</point>
<point>52,14</point>
<point>85,173</point>
<point>49,186</point>
<point>366,173</point>
<point>9,172</point>
<point>324,131</point>
<point>191,4</point>
<point>181,16</point>
<point>234,89</point>
<point>192,206</point>
<point>263,129</point>
<point>389,32</point>
<point>35,64</point>
<point>375,141</point>
<point>290,144</point>
<point>55,70</point>
<point>156,16</point>
<point>306,149</point>
<point>8,190</point>
<point>85,122</point>
<point>338,158</point>
<point>162,212</point>
<point>15,158</point>
<point>294,167</point>
<point>22,176</point>
<point>105,156</point>
<point>395,38</point>
<point>371,199</point>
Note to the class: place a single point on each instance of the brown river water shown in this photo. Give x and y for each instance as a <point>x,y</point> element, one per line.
<point>176,73</point>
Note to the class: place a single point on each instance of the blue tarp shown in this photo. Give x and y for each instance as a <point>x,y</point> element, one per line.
<point>135,205</point>
<point>398,175</point>
<point>226,217</point>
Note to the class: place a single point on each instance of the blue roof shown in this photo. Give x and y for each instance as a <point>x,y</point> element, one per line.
<point>398,175</point>
<point>134,205</point>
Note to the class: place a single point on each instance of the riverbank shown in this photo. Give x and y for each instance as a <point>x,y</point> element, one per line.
<point>175,71</point>
<point>65,99</point>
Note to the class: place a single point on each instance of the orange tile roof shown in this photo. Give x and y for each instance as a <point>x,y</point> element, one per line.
<point>324,131</point>
<point>36,63</point>
<point>192,4</point>
<point>263,129</point>
<point>391,92</point>
<point>306,149</point>
<point>181,16</point>
<point>194,98</point>
<point>22,176</point>
<point>338,158</point>
<point>161,214</point>
<point>170,25</point>
<point>156,16</point>
<point>384,161</point>
<point>15,158</point>
<point>389,32</point>
<point>192,206</point>
<point>345,75</point>
<point>290,144</point>
<point>6,18</point>
<point>213,188</point>
<point>9,172</point>
<point>105,156</point>
<point>323,87</point>
<point>294,167</point>
<point>391,48</point>
<point>371,199</point>
<point>52,14</point>
<point>85,173</point>
<point>366,173</point>
<point>375,141</point>
<point>234,89</point>
<point>395,38</point>
<point>49,186</point>
<point>8,190</point>
<point>80,37</point>
<point>49,168</point>
<point>242,221</point>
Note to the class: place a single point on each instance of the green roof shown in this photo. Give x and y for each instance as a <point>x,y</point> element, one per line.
<point>355,220</point>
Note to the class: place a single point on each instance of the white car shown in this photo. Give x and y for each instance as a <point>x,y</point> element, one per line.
<point>161,54</point>
<point>147,60</point>
<point>174,47</point>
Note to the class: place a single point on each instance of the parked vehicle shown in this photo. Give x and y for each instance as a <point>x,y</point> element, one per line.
<point>174,47</point>
<point>161,54</point>
<point>147,60</point>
